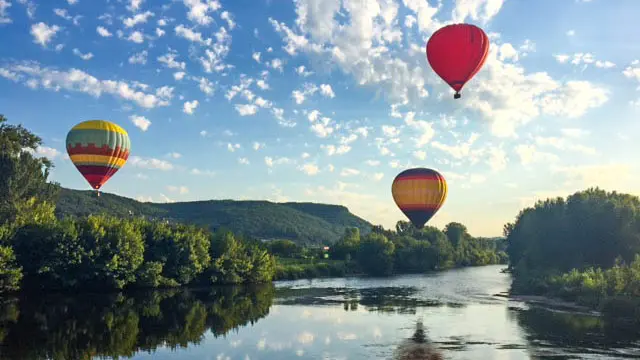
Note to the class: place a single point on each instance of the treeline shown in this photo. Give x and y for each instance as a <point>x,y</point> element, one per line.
<point>405,250</point>
<point>584,248</point>
<point>101,252</point>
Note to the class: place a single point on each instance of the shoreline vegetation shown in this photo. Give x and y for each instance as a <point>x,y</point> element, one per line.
<point>41,250</point>
<point>584,249</point>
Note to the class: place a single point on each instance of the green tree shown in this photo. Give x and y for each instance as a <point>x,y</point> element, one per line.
<point>23,176</point>
<point>375,255</point>
<point>284,248</point>
<point>347,246</point>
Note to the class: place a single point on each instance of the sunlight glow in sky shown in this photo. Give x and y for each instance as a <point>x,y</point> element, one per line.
<point>327,100</point>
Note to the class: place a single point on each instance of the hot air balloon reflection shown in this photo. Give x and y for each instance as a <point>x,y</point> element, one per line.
<point>456,53</point>
<point>98,149</point>
<point>419,193</point>
<point>417,347</point>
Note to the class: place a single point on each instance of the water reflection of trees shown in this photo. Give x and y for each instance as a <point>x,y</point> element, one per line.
<point>566,329</point>
<point>81,327</point>
<point>395,299</point>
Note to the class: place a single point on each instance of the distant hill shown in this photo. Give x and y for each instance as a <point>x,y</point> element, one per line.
<point>308,223</point>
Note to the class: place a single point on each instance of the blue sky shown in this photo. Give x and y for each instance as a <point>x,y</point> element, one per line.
<point>327,100</point>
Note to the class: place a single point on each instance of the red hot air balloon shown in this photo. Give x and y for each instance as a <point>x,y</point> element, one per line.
<point>456,53</point>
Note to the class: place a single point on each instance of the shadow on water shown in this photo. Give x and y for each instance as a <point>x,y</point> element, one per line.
<point>417,347</point>
<point>563,335</point>
<point>403,300</point>
<point>60,327</point>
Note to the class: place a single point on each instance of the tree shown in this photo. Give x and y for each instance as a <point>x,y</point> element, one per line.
<point>375,255</point>
<point>456,233</point>
<point>591,228</point>
<point>23,176</point>
<point>347,246</point>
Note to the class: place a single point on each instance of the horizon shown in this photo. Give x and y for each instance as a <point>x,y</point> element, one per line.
<point>327,103</point>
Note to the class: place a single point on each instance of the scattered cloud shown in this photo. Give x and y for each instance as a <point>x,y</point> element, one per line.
<point>140,122</point>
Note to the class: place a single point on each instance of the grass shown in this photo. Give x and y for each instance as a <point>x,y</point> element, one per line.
<point>293,268</point>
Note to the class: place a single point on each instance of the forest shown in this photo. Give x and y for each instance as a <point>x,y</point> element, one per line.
<point>40,249</point>
<point>585,248</point>
<point>304,223</point>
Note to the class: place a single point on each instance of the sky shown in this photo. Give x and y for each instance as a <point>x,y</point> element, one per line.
<point>328,100</point>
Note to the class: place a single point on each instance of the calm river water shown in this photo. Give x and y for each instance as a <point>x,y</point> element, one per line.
<point>353,318</point>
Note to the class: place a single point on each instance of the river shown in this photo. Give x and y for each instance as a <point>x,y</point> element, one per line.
<point>349,318</point>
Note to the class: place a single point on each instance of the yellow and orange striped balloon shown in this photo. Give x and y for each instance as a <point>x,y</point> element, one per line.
<point>419,193</point>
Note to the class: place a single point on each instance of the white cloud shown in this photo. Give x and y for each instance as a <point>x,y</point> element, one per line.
<point>196,171</point>
<point>478,10</point>
<point>137,19</point>
<point>192,35</point>
<point>79,81</point>
<point>529,154</point>
<point>257,146</point>
<point>336,150</point>
<point>276,64</point>
<point>178,189</point>
<point>199,10</point>
<point>150,163</point>
<point>270,162</point>
<point>136,37</point>
<point>87,56</point>
<point>349,172</point>
<point>179,75</point>
<point>420,154</point>
<point>574,132</point>
<point>169,60</point>
<point>4,16</point>
<point>102,31</point>
<point>174,155</point>
<point>190,106</point>
<point>497,159</point>
<point>233,147</point>
<point>205,86</point>
<point>134,5</point>
<point>246,109</point>
<point>508,97</point>
<point>226,16</point>
<point>309,169</point>
<point>300,95</point>
<point>139,58</point>
<point>390,131</point>
<point>140,122</point>
<point>243,161</point>
<point>45,151</point>
<point>327,91</point>
<point>43,33</point>
<point>564,144</point>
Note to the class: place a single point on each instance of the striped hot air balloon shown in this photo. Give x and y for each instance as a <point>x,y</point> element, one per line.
<point>98,149</point>
<point>419,193</point>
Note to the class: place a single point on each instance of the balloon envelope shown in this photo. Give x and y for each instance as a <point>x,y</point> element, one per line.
<point>98,149</point>
<point>457,52</point>
<point>419,193</point>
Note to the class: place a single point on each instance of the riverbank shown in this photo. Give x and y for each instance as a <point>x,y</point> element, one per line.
<point>614,292</point>
<point>294,269</point>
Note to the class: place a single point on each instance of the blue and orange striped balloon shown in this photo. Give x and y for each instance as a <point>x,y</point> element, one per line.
<point>419,193</point>
<point>98,149</point>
